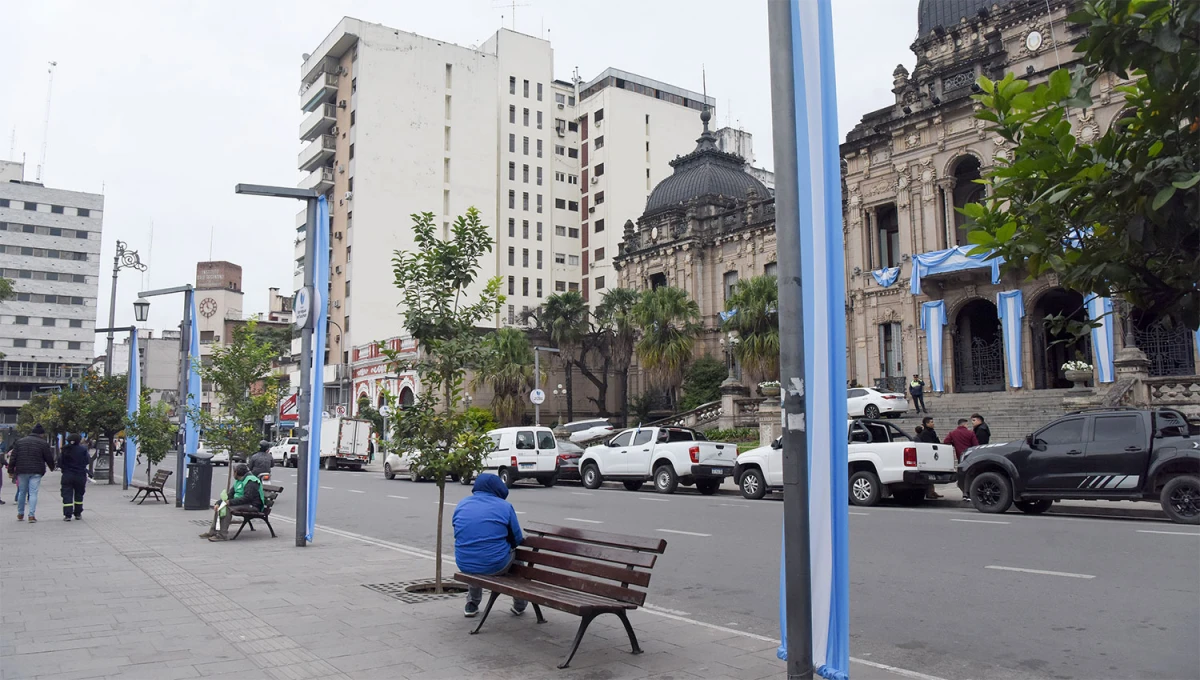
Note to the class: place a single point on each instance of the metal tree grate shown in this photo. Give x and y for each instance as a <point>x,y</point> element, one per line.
<point>397,591</point>
<point>200,522</point>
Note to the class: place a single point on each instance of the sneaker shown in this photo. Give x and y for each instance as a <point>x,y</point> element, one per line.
<point>966,499</point>
<point>516,612</point>
<point>207,534</point>
<point>3,502</point>
<point>32,519</point>
<point>67,518</point>
<point>471,610</point>
<point>217,537</point>
<point>78,518</point>
<point>20,518</point>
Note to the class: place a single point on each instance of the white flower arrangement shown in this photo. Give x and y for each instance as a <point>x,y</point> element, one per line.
<point>769,383</point>
<point>1077,366</point>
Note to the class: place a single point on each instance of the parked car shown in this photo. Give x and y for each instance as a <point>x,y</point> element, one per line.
<point>284,451</point>
<point>884,460</point>
<point>669,456</point>
<point>220,455</point>
<point>568,460</point>
<point>523,453</point>
<point>1101,454</point>
<point>868,402</point>
<point>586,430</point>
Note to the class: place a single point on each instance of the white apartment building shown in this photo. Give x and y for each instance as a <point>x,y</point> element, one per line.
<point>50,250</point>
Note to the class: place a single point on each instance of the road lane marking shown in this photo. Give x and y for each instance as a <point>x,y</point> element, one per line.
<point>520,512</point>
<point>355,491</point>
<point>657,500</point>
<point>327,487</point>
<point>580,493</point>
<point>683,533</point>
<point>403,498</point>
<point>589,521</point>
<point>979,521</point>
<point>1040,571</point>
<point>861,514</point>
<point>733,505</point>
<point>1171,533</point>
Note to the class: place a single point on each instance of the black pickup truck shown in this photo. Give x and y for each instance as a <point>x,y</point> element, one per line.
<point>1102,454</point>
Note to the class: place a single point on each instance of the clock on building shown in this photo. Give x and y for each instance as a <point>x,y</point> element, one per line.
<point>208,307</point>
<point>1033,41</point>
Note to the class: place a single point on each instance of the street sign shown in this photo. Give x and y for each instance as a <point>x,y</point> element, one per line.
<point>341,410</point>
<point>538,396</point>
<point>385,411</point>
<point>307,299</point>
<point>287,408</point>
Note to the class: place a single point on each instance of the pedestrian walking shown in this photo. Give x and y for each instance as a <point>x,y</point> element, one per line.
<point>74,464</point>
<point>27,462</point>
<point>917,389</point>
<point>982,432</point>
<point>3,466</point>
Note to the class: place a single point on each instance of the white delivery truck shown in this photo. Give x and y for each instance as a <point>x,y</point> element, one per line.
<point>345,441</point>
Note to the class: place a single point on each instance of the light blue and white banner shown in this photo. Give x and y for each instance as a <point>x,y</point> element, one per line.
<point>1010,304</point>
<point>133,394</point>
<point>819,193</point>
<point>320,306</point>
<point>886,277</point>
<point>951,260</point>
<point>933,317</point>
<point>1099,309</point>
<point>191,430</point>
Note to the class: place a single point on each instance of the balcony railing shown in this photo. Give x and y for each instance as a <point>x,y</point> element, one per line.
<point>316,153</point>
<point>318,122</point>
<point>320,180</point>
<point>322,89</point>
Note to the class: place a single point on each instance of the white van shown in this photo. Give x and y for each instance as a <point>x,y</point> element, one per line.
<point>523,453</point>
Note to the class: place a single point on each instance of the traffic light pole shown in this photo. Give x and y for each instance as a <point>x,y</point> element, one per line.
<point>304,398</point>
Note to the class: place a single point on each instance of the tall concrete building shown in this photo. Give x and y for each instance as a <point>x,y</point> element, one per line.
<point>397,124</point>
<point>50,250</point>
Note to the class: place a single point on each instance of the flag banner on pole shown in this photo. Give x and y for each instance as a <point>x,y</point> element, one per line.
<point>933,317</point>
<point>191,431</point>
<point>317,388</point>
<point>824,302</point>
<point>132,401</point>
<point>1099,309</point>
<point>1010,304</point>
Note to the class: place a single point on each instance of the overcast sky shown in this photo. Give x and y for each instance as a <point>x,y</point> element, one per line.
<point>164,106</point>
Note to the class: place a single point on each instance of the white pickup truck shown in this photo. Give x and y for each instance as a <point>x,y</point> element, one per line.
<point>883,460</point>
<point>668,455</point>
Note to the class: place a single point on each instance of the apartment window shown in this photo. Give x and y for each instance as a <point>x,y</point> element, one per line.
<point>512,285</point>
<point>772,269</point>
<point>599,282</point>
<point>525,259</point>
<point>599,197</point>
<point>525,174</point>
<point>512,256</point>
<point>512,227</point>
<point>512,114</point>
<point>539,288</point>
<point>599,115</point>
<point>539,259</point>
<point>351,153</point>
<point>539,117</point>
<point>19,342</point>
<point>571,100</point>
<point>573,286</point>
<point>539,176</point>
<point>525,229</point>
<point>3,202</point>
<point>526,89</point>
<point>560,98</point>
<point>525,117</point>
<point>525,200</point>
<point>539,148</point>
<point>56,209</point>
<point>353,85</point>
<point>560,230</point>
<point>599,226</point>
<point>572,179</point>
<point>560,203</point>
<point>512,85</point>
<point>573,260</point>
<point>573,205</point>
<point>76,323</point>
<point>559,149</point>
<point>74,345</point>
<point>47,321</point>
<point>572,153</point>
<point>512,171</point>
<point>573,126</point>
<point>347,289</point>
<point>354,118</point>
<point>83,212</point>
<point>599,142</point>
<point>512,143</point>
<point>539,203</point>
<point>539,230</point>
<point>447,134</point>
<point>539,97</point>
<point>560,176</point>
<point>512,199</point>
<point>573,232</point>
<point>560,286</point>
<point>599,254</point>
<point>560,258</point>
<point>525,146</point>
<point>22,321</point>
<point>730,280</point>
<point>32,206</point>
<point>47,344</point>
<point>599,169</point>
<point>347,254</point>
<point>525,286</point>
<point>512,316</point>
<point>447,108</point>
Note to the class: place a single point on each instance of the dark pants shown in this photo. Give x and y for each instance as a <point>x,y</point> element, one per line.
<point>224,524</point>
<point>475,593</point>
<point>73,486</point>
<point>919,402</point>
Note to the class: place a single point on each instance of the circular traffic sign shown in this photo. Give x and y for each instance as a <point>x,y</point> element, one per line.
<point>341,410</point>
<point>537,396</point>
<point>385,411</point>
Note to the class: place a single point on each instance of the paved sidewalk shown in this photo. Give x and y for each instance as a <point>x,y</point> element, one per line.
<point>131,592</point>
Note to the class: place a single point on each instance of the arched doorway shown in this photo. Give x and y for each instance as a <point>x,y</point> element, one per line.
<point>966,190</point>
<point>1052,349</point>
<point>978,348</point>
<point>1167,344</point>
<point>407,398</point>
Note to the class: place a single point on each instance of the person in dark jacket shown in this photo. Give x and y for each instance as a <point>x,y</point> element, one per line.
<point>486,536</point>
<point>261,462</point>
<point>74,465</point>
<point>927,434</point>
<point>916,388</point>
<point>247,494</point>
<point>982,432</point>
<point>28,461</point>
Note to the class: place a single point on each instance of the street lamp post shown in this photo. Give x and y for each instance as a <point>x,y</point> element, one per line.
<point>537,379</point>
<point>141,312</point>
<point>559,391</point>
<point>304,400</point>
<point>124,259</point>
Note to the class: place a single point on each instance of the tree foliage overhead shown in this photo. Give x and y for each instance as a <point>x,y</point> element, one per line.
<point>755,304</point>
<point>153,430</point>
<point>246,391</point>
<point>1119,214</point>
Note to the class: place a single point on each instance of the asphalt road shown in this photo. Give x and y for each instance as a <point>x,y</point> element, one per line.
<point>945,592</point>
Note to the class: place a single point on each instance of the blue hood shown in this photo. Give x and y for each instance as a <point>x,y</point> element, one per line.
<point>490,484</point>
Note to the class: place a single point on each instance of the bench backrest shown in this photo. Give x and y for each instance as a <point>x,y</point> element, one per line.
<point>160,478</point>
<point>595,562</point>
<point>270,493</point>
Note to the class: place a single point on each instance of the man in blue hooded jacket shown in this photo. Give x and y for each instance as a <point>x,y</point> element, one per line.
<point>486,536</point>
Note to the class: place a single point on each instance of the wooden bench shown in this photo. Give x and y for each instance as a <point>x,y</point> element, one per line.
<point>155,487</point>
<point>270,493</point>
<point>580,572</point>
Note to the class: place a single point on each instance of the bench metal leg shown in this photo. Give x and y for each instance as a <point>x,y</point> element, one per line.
<point>239,531</point>
<point>144,497</point>
<point>135,495</point>
<point>269,527</point>
<point>578,637</point>
<point>629,629</point>
<point>538,610</point>
<point>487,610</point>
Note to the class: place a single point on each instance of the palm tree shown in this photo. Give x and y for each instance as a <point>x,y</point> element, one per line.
<point>670,322</point>
<point>755,307</point>
<point>509,371</point>
<point>614,315</point>
<point>565,318</point>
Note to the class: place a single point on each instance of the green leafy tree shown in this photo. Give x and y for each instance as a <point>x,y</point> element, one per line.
<point>101,406</point>
<point>703,383</point>
<point>614,317</point>
<point>756,322</point>
<point>508,368</point>
<point>564,317</point>
<point>670,322</point>
<point>441,313</point>
<point>1116,215</point>
<point>41,409</point>
<point>151,426</point>
<point>482,419</point>
<point>368,412</point>
<point>279,337</point>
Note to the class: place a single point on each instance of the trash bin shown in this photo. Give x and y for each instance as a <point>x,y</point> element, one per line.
<point>199,482</point>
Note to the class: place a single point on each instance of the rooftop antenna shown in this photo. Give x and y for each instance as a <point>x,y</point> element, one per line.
<point>211,230</point>
<point>46,121</point>
<point>12,144</point>
<point>513,4</point>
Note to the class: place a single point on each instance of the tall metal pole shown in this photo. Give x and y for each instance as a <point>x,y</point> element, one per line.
<point>185,345</point>
<point>537,382</point>
<point>791,346</point>
<point>112,313</point>
<point>304,399</point>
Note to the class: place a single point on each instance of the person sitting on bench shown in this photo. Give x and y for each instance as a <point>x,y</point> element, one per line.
<point>486,536</point>
<point>247,495</point>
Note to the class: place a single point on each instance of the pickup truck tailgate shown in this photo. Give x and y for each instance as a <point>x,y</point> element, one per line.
<point>717,453</point>
<point>934,457</point>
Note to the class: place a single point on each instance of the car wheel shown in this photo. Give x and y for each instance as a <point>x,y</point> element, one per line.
<point>387,471</point>
<point>752,484</point>
<point>356,468</point>
<point>591,477</point>
<point>909,496</point>
<point>871,411</point>
<point>455,478</point>
<point>331,463</point>
<point>708,487</point>
<point>1034,507</point>
<point>893,416</point>
<point>991,492</point>
<point>633,485</point>
<point>665,479</point>
<point>1181,499</point>
<point>548,481</point>
<point>506,476</point>
<point>864,488</point>
<point>467,480</point>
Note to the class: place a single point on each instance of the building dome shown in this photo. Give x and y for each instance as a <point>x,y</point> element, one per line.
<point>707,171</point>
<point>948,13</point>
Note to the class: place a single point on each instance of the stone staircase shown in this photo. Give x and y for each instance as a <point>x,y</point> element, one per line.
<point>1010,416</point>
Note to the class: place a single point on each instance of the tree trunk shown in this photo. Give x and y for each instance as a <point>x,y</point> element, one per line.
<point>570,395</point>
<point>625,397</point>
<point>437,567</point>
